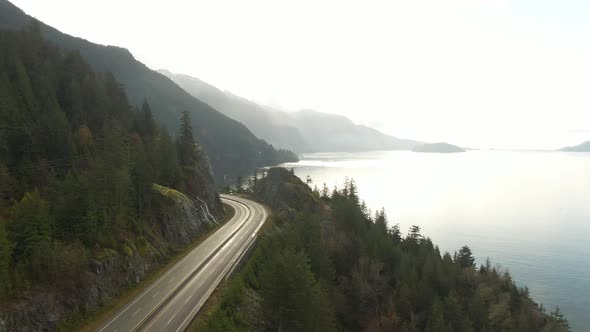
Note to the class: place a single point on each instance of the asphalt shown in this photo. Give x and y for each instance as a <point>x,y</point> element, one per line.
<point>173,300</point>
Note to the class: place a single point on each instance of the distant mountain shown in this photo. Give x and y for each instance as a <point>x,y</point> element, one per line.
<point>438,148</point>
<point>583,147</point>
<point>231,147</point>
<point>301,131</point>
<point>271,127</point>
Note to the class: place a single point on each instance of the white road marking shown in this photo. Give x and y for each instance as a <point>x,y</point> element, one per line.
<point>244,215</point>
<point>171,319</point>
<point>135,313</point>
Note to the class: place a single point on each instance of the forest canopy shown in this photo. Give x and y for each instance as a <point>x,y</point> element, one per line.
<point>327,264</point>
<point>77,164</point>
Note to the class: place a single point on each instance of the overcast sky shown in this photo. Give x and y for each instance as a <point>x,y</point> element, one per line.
<point>481,73</point>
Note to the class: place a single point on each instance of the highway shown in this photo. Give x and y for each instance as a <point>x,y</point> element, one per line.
<point>172,301</point>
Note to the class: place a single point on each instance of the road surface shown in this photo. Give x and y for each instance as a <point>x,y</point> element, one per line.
<point>172,301</point>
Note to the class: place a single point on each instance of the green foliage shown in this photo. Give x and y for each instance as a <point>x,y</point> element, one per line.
<point>186,143</point>
<point>231,147</point>
<point>373,278</point>
<point>30,228</point>
<point>5,258</point>
<point>77,165</point>
<point>292,299</point>
<point>465,257</point>
<point>559,322</point>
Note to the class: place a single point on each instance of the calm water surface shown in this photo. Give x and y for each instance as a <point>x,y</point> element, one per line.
<point>528,211</point>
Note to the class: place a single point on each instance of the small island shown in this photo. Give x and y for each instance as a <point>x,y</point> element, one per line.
<point>583,147</point>
<point>438,148</point>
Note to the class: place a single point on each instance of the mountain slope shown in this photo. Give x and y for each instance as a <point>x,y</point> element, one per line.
<point>80,217</point>
<point>331,132</point>
<point>438,148</point>
<point>256,118</point>
<point>583,147</point>
<point>232,148</point>
<point>301,131</point>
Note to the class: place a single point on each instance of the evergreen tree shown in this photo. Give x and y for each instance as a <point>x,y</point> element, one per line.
<point>292,299</point>
<point>436,320</point>
<point>465,257</point>
<point>414,234</point>
<point>559,318</point>
<point>186,143</point>
<point>31,229</point>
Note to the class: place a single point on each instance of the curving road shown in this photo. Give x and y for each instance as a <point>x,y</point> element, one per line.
<point>172,301</point>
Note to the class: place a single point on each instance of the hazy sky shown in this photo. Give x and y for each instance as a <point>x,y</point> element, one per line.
<point>481,73</point>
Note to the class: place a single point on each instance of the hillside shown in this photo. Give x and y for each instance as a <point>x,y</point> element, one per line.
<point>438,148</point>
<point>94,195</point>
<point>583,147</point>
<point>275,130</point>
<point>300,131</point>
<point>327,265</point>
<point>231,147</point>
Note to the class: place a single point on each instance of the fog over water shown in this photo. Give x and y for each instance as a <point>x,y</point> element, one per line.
<point>528,211</point>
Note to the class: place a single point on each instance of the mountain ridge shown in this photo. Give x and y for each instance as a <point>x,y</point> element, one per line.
<point>231,146</point>
<point>302,131</point>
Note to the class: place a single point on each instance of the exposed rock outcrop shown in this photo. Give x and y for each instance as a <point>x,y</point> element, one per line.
<point>176,215</point>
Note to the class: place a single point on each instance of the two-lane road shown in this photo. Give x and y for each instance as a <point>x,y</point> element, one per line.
<point>172,301</point>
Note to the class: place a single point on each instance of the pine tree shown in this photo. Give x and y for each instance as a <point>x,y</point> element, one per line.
<point>292,298</point>
<point>186,142</point>
<point>353,191</point>
<point>560,319</point>
<point>436,320</point>
<point>465,257</point>
<point>415,233</point>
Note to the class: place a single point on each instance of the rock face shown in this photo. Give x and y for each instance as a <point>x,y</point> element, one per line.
<point>201,187</point>
<point>438,148</point>
<point>177,215</point>
<point>44,309</point>
<point>176,221</point>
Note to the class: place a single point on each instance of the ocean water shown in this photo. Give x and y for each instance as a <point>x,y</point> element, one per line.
<point>528,211</point>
